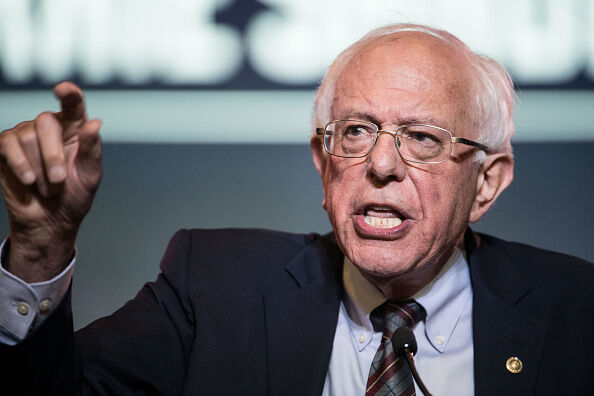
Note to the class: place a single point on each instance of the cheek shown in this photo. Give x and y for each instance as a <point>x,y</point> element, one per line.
<point>332,180</point>
<point>431,192</point>
<point>454,199</point>
<point>436,194</point>
<point>440,198</point>
<point>335,179</point>
<point>339,186</point>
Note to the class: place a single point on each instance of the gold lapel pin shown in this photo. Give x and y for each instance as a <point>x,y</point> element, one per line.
<point>514,365</point>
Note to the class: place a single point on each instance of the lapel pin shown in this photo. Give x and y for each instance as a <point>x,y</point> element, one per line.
<point>514,365</point>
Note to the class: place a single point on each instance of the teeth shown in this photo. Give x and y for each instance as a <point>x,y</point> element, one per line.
<point>380,208</point>
<point>386,222</point>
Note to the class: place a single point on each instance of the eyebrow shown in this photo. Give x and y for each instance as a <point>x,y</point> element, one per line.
<point>355,115</point>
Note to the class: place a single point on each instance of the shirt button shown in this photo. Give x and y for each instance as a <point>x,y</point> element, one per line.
<point>440,340</point>
<point>45,305</point>
<point>23,308</point>
<point>362,338</point>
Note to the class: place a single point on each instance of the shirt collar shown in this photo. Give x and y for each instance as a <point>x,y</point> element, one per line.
<point>444,298</point>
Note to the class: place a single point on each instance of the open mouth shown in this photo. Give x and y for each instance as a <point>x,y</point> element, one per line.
<point>382,216</point>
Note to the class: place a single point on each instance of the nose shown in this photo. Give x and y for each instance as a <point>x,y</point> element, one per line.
<point>384,162</point>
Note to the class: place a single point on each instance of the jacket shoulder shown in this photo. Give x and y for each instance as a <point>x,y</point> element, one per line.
<point>545,269</point>
<point>536,256</point>
<point>220,260</point>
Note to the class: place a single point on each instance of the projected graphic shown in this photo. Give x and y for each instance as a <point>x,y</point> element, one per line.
<point>140,61</point>
<point>264,44</point>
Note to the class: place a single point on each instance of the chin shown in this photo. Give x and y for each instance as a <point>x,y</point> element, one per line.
<point>380,261</point>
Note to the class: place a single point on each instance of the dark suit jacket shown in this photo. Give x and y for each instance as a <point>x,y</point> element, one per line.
<point>250,312</point>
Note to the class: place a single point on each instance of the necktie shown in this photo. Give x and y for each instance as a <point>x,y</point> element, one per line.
<point>390,374</point>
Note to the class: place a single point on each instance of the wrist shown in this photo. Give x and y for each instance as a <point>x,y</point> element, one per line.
<point>39,261</point>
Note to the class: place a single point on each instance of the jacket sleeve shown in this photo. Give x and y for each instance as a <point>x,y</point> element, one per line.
<point>140,349</point>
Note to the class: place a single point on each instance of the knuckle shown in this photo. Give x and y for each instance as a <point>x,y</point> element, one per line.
<point>22,125</point>
<point>11,131</point>
<point>27,136</point>
<point>6,137</point>
<point>5,141</point>
<point>43,118</point>
<point>44,115</point>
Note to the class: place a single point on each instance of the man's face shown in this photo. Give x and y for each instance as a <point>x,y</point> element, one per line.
<point>395,82</point>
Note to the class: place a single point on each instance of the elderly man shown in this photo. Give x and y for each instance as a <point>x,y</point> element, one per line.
<point>412,140</point>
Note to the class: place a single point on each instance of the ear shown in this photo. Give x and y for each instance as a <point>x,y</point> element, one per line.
<point>495,174</point>
<point>318,154</point>
<point>320,158</point>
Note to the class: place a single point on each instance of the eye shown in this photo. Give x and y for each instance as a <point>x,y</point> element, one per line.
<point>421,135</point>
<point>356,130</point>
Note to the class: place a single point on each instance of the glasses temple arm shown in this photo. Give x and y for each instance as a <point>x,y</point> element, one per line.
<point>470,143</point>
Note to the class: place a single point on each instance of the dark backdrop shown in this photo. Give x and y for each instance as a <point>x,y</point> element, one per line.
<point>150,191</point>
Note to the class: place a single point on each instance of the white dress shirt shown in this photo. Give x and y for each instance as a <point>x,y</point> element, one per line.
<point>444,358</point>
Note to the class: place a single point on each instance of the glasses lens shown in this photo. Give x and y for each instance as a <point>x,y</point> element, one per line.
<point>424,143</point>
<point>349,138</point>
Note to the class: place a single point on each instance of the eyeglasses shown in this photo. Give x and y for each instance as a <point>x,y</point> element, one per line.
<point>421,143</point>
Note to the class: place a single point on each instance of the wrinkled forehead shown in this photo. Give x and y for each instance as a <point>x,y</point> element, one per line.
<point>412,61</point>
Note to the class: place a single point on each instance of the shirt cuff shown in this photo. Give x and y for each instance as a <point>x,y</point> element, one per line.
<point>24,306</point>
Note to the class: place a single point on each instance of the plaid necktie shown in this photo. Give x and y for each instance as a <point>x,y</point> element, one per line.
<point>389,374</point>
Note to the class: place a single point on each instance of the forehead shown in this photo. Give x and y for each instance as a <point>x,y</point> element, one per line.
<point>406,75</point>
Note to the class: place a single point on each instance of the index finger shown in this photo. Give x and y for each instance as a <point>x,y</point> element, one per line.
<point>72,102</point>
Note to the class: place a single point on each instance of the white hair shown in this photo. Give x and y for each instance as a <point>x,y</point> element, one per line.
<point>492,86</point>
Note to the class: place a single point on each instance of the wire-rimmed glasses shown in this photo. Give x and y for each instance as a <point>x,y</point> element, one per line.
<point>420,143</point>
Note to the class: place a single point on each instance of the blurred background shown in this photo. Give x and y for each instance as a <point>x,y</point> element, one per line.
<point>206,107</point>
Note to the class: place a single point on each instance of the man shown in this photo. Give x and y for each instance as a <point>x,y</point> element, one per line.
<point>412,141</point>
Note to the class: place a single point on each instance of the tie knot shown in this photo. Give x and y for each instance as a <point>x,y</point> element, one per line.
<point>392,315</point>
<point>388,374</point>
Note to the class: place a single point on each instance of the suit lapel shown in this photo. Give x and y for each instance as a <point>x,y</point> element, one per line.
<point>501,330</point>
<point>300,325</point>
